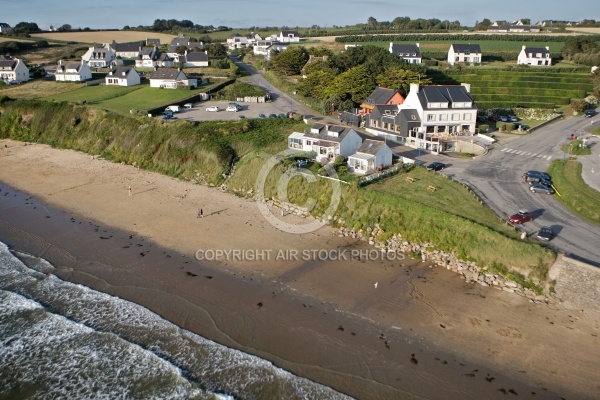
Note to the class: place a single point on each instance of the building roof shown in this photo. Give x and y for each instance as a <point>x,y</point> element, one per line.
<point>535,50</point>
<point>380,95</point>
<point>370,146</point>
<point>8,64</point>
<point>165,73</point>
<point>119,72</point>
<point>152,42</point>
<point>195,56</point>
<point>443,94</point>
<point>290,33</point>
<point>126,47</point>
<point>405,50</point>
<point>466,48</point>
<point>332,133</point>
<point>63,66</point>
<point>180,41</point>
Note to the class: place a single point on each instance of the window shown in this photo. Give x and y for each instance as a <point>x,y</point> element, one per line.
<point>430,117</point>
<point>443,117</point>
<point>466,117</point>
<point>455,117</point>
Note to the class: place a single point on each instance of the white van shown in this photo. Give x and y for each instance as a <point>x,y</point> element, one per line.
<point>173,108</point>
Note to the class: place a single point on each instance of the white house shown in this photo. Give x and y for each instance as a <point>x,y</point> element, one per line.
<point>237,41</point>
<point>464,53</point>
<point>99,56</point>
<point>260,48</point>
<point>4,27</point>
<point>534,56</point>
<point>444,111</point>
<point>13,69</point>
<point>194,59</point>
<point>411,53</point>
<point>288,37</point>
<point>122,76</point>
<point>275,47</point>
<point>370,156</point>
<point>127,50</point>
<point>170,78</point>
<point>327,141</point>
<point>72,71</point>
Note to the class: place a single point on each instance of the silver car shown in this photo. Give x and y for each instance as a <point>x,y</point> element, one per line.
<point>538,188</point>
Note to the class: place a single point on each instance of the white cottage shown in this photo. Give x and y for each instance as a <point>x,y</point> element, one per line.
<point>534,56</point>
<point>99,56</point>
<point>170,78</point>
<point>13,69</point>
<point>122,76</point>
<point>372,155</point>
<point>72,71</point>
<point>464,53</point>
<point>327,141</point>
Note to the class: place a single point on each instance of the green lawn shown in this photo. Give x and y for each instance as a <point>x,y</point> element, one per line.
<point>121,99</point>
<point>449,196</point>
<point>575,194</point>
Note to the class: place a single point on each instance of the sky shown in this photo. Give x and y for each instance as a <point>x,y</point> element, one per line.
<point>113,14</point>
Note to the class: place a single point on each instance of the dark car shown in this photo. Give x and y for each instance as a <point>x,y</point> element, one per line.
<point>537,174</point>
<point>539,188</point>
<point>262,116</point>
<point>520,217</point>
<point>436,166</point>
<point>532,180</point>
<point>545,233</point>
<point>282,115</point>
<point>494,118</point>
<point>589,113</point>
<point>272,115</point>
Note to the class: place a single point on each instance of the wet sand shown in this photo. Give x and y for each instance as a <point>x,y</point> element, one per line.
<point>421,333</point>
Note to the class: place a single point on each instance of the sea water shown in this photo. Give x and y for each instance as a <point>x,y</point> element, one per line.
<point>59,340</point>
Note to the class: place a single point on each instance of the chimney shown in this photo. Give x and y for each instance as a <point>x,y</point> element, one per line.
<point>548,48</point>
<point>524,47</point>
<point>414,88</point>
<point>418,45</point>
<point>467,86</point>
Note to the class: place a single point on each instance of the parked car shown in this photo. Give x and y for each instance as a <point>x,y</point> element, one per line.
<point>212,108</point>
<point>272,115</point>
<point>241,116</point>
<point>539,188</point>
<point>233,107</point>
<point>302,163</point>
<point>188,105</point>
<point>282,115</point>
<point>494,118</point>
<point>436,166</point>
<point>169,117</point>
<point>521,216</point>
<point>538,174</point>
<point>503,118</point>
<point>513,118</point>
<point>174,108</point>
<point>589,113</point>
<point>545,233</point>
<point>532,180</point>
<point>262,116</point>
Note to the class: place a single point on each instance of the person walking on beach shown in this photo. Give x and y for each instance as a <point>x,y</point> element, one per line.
<point>200,213</point>
<point>130,190</point>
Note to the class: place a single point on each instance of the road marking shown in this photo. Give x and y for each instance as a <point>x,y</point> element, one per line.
<point>528,154</point>
<point>534,155</point>
<point>549,157</point>
<point>504,149</point>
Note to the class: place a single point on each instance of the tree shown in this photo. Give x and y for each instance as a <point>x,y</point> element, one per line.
<point>25,28</point>
<point>216,50</point>
<point>290,61</point>
<point>315,83</point>
<point>483,25</point>
<point>64,28</point>
<point>400,78</point>
<point>372,23</point>
<point>355,84</point>
<point>578,44</point>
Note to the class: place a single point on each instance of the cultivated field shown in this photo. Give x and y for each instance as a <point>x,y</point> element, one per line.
<point>104,36</point>
<point>39,88</point>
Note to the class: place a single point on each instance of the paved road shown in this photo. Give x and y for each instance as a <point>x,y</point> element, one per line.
<point>497,179</point>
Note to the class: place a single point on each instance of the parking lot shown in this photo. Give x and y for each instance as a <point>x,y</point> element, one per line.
<point>248,110</point>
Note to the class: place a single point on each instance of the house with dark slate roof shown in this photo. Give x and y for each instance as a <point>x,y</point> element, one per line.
<point>152,42</point>
<point>99,56</point>
<point>464,53</point>
<point>411,53</point>
<point>13,69</point>
<point>327,141</point>
<point>122,76</point>
<point>430,118</point>
<point>72,71</point>
<point>288,37</point>
<point>170,78</point>
<point>194,59</point>
<point>371,156</point>
<point>534,56</point>
<point>379,96</point>
<point>4,27</point>
<point>127,50</point>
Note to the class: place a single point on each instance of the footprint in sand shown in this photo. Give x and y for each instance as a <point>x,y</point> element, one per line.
<point>511,332</point>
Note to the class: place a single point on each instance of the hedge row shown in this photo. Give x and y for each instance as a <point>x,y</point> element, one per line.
<point>457,37</point>
<point>514,104</point>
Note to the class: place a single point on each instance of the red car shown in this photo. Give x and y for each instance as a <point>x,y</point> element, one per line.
<point>520,217</point>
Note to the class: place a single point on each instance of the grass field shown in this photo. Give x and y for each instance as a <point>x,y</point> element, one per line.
<point>92,94</point>
<point>576,195</point>
<point>103,36</point>
<point>40,88</point>
<point>444,198</point>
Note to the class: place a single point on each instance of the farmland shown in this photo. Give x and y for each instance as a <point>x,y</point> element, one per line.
<point>103,36</point>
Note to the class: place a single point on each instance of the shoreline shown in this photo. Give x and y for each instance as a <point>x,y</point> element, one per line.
<point>289,312</point>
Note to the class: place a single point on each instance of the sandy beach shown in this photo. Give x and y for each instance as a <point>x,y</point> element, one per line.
<point>370,327</point>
